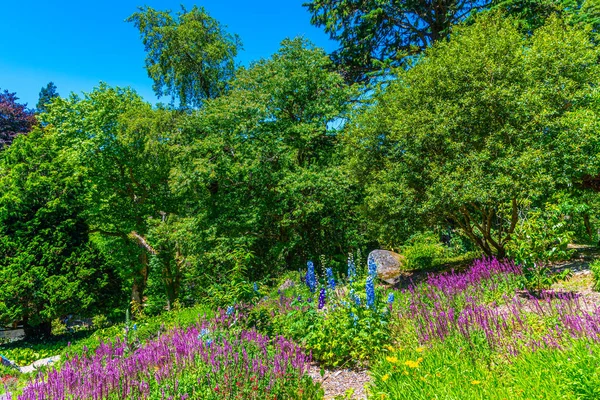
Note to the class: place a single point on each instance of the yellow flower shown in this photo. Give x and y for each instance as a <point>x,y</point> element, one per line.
<point>420,349</point>
<point>474,382</point>
<point>411,364</point>
<point>385,377</point>
<point>405,372</point>
<point>390,348</point>
<point>393,360</point>
<point>382,396</point>
<point>420,359</point>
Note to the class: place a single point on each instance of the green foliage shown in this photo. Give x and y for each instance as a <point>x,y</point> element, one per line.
<point>343,333</point>
<point>539,277</point>
<point>540,237</point>
<point>261,173</point>
<point>377,34</point>
<point>422,251</point>
<point>595,268</point>
<point>480,127</point>
<point>48,266</point>
<point>190,56</point>
<point>456,371</point>
<point>123,150</point>
<point>531,14</point>
<point>46,95</point>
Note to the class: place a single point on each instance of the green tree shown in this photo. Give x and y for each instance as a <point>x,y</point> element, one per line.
<point>483,125</point>
<point>377,34</point>
<point>532,14</point>
<point>190,56</point>
<point>48,266</point>
<point>46,95</point>
<point>123,147</point>
<point>262,173</point>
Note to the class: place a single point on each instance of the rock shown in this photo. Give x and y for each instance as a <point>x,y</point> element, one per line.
<point>39,363</point>
<point>286,285</point>
<point>389,265</point>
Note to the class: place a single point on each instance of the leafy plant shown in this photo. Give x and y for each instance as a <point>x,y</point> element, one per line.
<point>422,250</point>
<point>595,268</point>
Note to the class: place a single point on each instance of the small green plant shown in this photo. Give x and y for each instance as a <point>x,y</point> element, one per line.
<point>595,268</point>
<point>100,321</point>
<point>422,251</point>
<point>542,237</point>
<point>539,277</point>
<point>58,327</point>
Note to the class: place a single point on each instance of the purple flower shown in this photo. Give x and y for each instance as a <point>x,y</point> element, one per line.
<point>321,299</point>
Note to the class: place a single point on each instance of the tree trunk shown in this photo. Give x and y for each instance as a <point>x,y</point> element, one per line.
<point>588,226</point>
<point>140,282</point>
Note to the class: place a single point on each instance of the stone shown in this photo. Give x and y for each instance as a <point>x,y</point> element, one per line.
<point>389,265</point>
<point>286,285</point>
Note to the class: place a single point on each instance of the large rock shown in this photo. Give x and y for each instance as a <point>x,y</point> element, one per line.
<point>389,265</point>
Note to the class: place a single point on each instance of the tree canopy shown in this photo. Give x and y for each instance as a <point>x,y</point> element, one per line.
<point>484,124</point>
<point>190,55</point>
<point>47,93</point>
<point>15,118</point>
<point>48,266</point>
<point>375,35</point>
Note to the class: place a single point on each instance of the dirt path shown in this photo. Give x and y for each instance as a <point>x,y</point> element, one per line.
<point>342,382</point>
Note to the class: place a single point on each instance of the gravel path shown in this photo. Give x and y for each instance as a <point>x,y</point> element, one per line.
<point>340,382</point>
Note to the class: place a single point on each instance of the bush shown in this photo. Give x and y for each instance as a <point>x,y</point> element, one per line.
<point>422,251</point>
<point>595,268</point>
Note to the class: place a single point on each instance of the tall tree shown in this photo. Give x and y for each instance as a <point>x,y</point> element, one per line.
<point>48,266</point>
<point>123,147</point>
<point>481,127</point>
<point>377,34</point>
<point>15,118</point>
<point>262,171</point>
<point>190,56</point>
<point>46,95</point>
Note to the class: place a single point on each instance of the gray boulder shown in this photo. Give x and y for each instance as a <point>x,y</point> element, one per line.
<point>389,265</point>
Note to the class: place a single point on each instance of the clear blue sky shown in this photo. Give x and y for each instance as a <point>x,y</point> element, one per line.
<point>78,43</point>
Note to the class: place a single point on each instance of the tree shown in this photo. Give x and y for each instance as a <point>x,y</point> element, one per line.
<point>123,147</point>
<point>190,56</point>
<point>532,14</point>
<point>48,266</point>
<point>482,127</point>
<point>15,118</point>
<point>375,35</point>
<point>46,95</point>
<point>262,173</point>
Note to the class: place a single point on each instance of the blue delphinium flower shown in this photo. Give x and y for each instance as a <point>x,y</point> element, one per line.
<point>230,310</point>
<point>354,318</point>
<point>351,268</point>
<point>322,298</point>
<point>390,298</point>
<point>354,297</point>
<point>208,342</point>
<point>372,267</point>
<point>311,278</point>
<point>370,289</point>
<point>203,332</point>
<point>255,287</point>
<point>330,279</point>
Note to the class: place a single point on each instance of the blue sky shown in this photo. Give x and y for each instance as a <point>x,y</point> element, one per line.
<point>76,44</point>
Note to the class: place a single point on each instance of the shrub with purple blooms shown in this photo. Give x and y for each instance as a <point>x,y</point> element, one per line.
<point>204,361</point>
<point>476,334</point>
